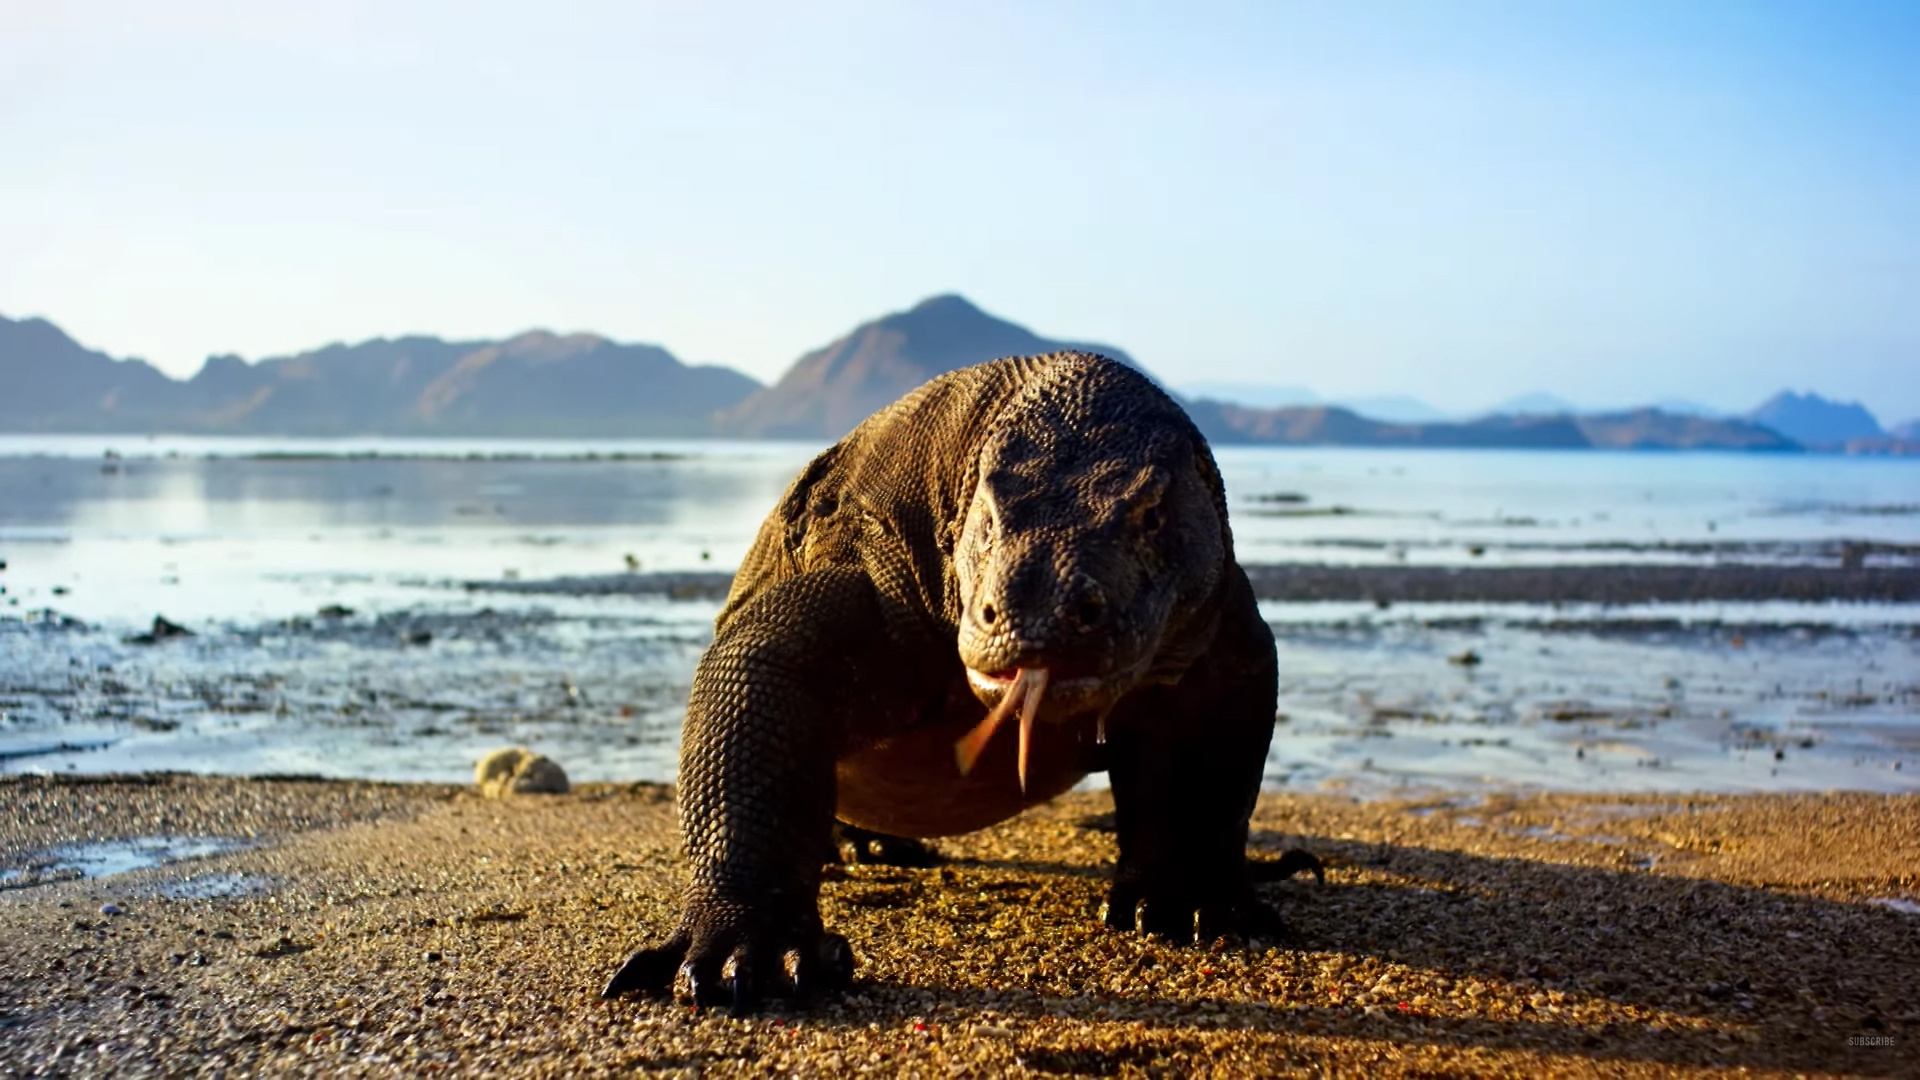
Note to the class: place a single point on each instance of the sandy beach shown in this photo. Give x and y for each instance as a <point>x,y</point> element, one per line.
<point>405,929</point>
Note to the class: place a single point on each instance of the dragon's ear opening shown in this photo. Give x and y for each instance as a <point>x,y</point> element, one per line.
<point>1146,502</point>
<point>1151,518</point>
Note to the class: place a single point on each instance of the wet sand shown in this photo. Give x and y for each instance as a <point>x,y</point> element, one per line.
<point>405,929</point>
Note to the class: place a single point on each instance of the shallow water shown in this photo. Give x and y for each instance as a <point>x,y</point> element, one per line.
<point>1751,698</point>
<point>106,858</point>
<point>246,541</point>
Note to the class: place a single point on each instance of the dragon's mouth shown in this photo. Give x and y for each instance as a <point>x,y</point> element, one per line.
<point>1023,690</point>
<point>1002,681</point>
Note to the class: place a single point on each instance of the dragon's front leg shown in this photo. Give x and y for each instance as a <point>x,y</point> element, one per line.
<point>756,795</point>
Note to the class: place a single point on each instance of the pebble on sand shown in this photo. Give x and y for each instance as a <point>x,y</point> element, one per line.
<point>517,770</point>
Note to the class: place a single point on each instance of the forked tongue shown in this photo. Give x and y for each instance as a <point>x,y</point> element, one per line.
<point>1029,686</point>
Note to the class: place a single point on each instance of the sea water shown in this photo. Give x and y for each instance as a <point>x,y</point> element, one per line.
<point>412,672</point>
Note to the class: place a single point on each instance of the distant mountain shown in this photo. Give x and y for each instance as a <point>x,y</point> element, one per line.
<point>53,383</point>
<point>1395,408</point>
<point>1654,429</point>
<point>1815,421</point>
<point>1322,425</point>
<point>1908,432</point>
<point>830,390</point>
<point>1639,429</point>
<point>545,384</point>
<point>536,384</point>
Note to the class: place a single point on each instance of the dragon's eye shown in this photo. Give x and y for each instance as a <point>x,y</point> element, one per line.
<point>1150,519</point>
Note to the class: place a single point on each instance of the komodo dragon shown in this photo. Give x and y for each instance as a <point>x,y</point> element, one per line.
<point>1042,537</point>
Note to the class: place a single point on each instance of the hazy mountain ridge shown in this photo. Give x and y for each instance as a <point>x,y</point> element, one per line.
<point>1634,429</point>
<point>1816,421</point>
<point>1657,429</point>
<point>1324,425</point>
<point>1670,424</point>
<point>53,383</point>
<point>1393,408</point>
<point>545,384</point>
<point>535,384</point>
<point>830,390</point>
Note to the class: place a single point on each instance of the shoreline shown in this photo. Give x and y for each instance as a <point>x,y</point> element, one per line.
<point>381,928</point>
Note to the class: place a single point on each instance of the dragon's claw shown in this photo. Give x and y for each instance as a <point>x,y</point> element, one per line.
<point>1186,916</point>
<point>722,965</point>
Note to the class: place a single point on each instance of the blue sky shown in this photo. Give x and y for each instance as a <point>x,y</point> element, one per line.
<point>1614,201</point>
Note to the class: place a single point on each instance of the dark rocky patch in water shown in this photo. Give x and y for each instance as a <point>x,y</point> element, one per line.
<point>1609,585</point>
<point>1311,582</point>
<point>684,585</point>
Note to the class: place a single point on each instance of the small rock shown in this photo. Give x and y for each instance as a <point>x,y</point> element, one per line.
<point>163,629</point>
<point>417,637</point>
<point>1465,659</point>
<point>110,909</point>
<point>431,957</point>
<point>1853,555</point>
<point>517,770</point>
<point>336,611</point>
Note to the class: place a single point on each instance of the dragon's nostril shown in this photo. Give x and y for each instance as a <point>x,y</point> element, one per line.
<point>988,615</point>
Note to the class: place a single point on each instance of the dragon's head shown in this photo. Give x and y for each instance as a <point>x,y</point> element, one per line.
<point>1095,531</point>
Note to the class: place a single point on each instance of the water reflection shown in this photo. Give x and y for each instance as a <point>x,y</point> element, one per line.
<point>208,495</point>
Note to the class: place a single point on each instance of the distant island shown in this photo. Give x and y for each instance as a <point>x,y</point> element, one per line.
<point>536,384</point>
<point>540,384</point>
<point>830,390</point>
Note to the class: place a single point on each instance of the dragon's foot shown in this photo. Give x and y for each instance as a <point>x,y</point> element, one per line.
<point>721,955</point>
<point>868,848</point>
<point>1186,916</point>
<point>1176,906</point>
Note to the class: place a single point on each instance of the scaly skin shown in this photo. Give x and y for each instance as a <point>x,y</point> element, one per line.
<point>1056,514</point>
